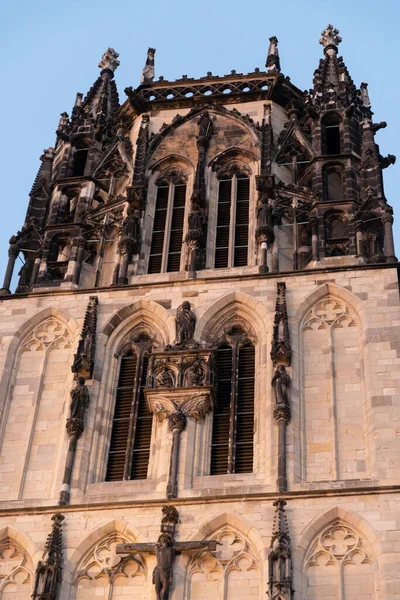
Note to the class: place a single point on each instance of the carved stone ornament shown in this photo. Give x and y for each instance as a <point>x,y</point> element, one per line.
<point>180,381</point>
<point>79,402</point>
<point>281,352</point>
<point>84,358</point>
<point>281,383</point>
<point>165,550</point>
<point>48,574</point>
<point>109,60</point>
<point>185,322</point>
<point>279,559</point>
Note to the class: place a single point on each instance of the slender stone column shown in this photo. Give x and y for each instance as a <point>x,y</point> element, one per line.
<point>177,423</point>
<point>282,416</point>
<point>126,253</point>
<point>314,237</point>
<point>36,266</point>
<point>13,252</point>
<point>275,249</point>
<point>359,238</point>
<point>387,221</point>
<point>81,245</point>
<point>75,427</point>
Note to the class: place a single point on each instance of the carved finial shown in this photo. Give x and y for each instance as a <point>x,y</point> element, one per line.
<point>109,60</point>
<point>84,358</point>
<point>365,95</point>
<point>49,570</point>
<point>279,560</point>
<point>330,38</point>
<point>281,352</point>
<point>273,63</point>
<point>78,100</point>
<point>148,71</point>
<point>64,120</point>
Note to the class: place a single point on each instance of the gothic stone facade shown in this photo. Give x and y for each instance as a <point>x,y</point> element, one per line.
<point>210,268</point>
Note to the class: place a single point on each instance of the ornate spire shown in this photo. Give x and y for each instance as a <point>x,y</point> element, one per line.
<point>49,570</point>
<point>330,39</point>
<point>148,70</point>
<point>333,86</point>
<point>279,560</point>
<point>273,63</point>
<point>109,60</point>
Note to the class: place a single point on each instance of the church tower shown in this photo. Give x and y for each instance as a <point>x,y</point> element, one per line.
<point>200,383</point>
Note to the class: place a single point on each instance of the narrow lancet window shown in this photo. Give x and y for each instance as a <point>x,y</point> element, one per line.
<point>167,237</point>
<point>131,430</point>
<point>232,239</point>
<point>233,419</point>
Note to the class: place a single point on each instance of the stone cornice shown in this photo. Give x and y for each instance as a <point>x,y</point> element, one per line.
<point>220,496</point>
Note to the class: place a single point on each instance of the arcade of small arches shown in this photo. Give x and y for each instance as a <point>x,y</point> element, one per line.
<point>335,558</point>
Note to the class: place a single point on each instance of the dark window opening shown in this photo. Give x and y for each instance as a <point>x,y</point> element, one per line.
<point>132,423</point>
<point>233,417</point>
<point>334,184</point>
<point>332,134</point>
<point>80,159</point>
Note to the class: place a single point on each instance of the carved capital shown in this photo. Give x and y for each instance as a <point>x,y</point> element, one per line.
<point>387,218</point>
<point>265,233</point>
<point>177,420</point>
<point>282,412</point>
<point>74,427</point>
<point>13,250</point>
<point>195,403</point>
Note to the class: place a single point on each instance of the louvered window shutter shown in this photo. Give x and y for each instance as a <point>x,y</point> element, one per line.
<point>245,411</point>
<point>157,240</point>
<point>242,222</point>
<point>131,430</point>
<point>176,234</point>
<point>222,412</point>
<point>233,417</point>
<point>142,434</point>
<point>223,223</point>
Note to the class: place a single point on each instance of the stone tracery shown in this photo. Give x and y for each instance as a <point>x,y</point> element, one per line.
<point>215,576</point>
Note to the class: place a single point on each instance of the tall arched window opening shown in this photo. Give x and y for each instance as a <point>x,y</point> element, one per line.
<point>233,419</point>
<point>80,159</point>
<point>167,238</point>
<point>132,423</point>
<point>331,142</point>
<point>333,183</point>
<point>232,239</point>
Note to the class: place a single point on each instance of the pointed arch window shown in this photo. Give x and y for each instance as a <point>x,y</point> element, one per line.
<point>129,452</point>
<point>233,419</point>
<point>232,237</point>
<point>331,137</point>
<point>80,160</point>
<point>169,217</point>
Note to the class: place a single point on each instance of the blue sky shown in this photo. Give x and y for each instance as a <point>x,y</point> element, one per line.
<point>50,50</point>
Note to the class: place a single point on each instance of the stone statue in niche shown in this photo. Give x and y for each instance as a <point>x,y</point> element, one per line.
<point>196,218</point>
<point>281,383</point>
<point>185,324</point>
<point>205,125</point>
<point>79,399</point>
<point>130,225</point>
<point>195,375</point>
<point>264,218</point>
<point>164,378</point>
